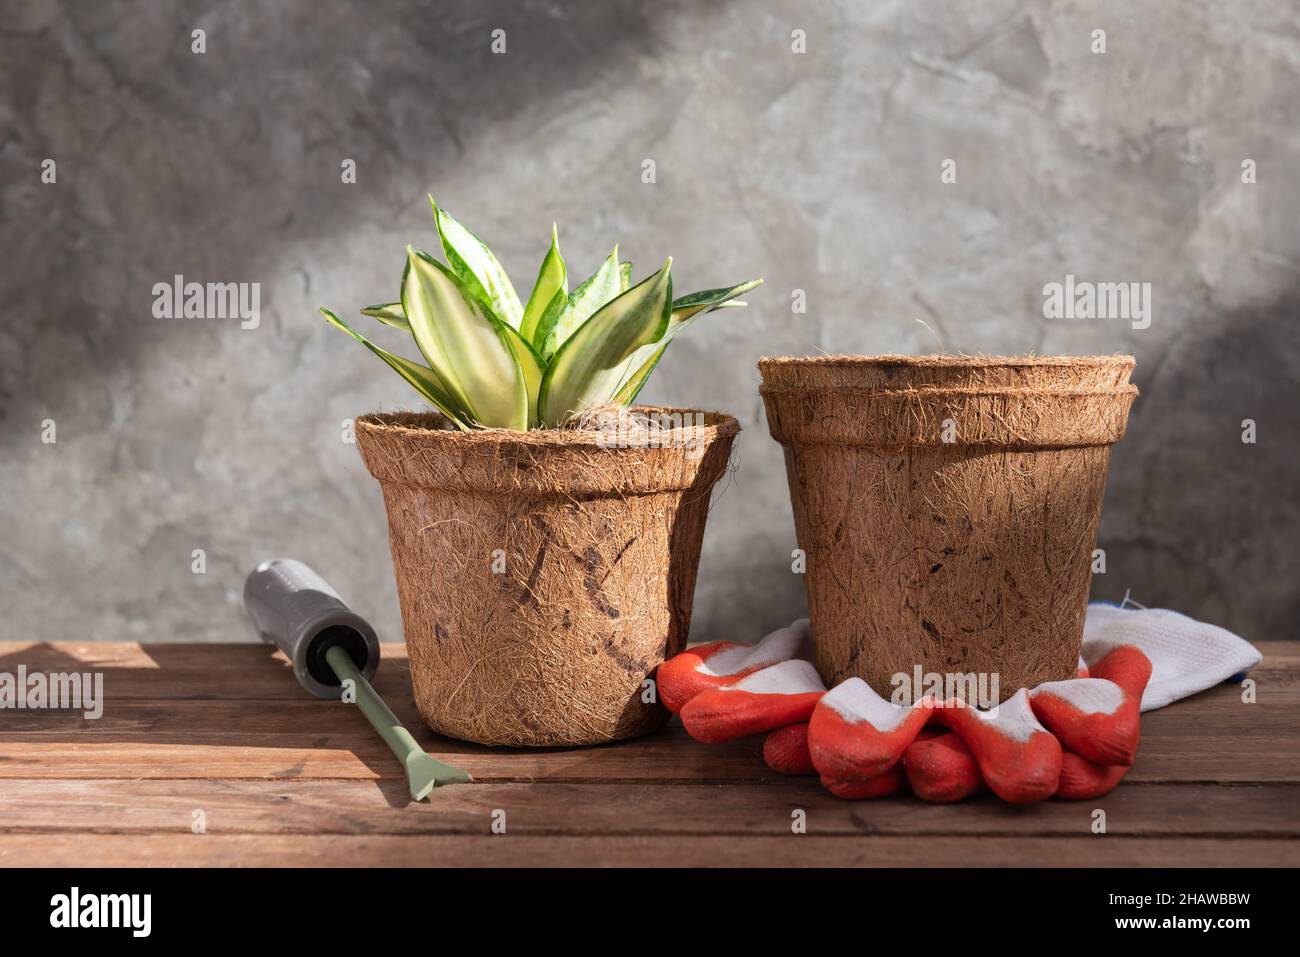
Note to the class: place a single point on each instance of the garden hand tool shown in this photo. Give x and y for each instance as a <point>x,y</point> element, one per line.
<point>721,663</point>
<point>328,644</point>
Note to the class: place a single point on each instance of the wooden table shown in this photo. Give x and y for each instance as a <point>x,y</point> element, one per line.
<point>223,736</point>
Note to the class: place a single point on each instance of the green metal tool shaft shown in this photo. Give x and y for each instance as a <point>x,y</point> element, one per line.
<point>424,773</point>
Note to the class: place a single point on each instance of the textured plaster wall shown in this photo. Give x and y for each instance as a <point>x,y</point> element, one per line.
<point>819,171</point>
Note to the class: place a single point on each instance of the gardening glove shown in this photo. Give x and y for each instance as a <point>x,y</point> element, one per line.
<point>855,734</point>
<point>941,768</point>
<point>945,769</point>
<point>722,663</point>
<point>1186,655</point>
<point>1081,780</point>
<point>770,698</point>
<point>785,750</point>
<point>882,785</point>
<point>1018,758</point>
<point>1017,755</point>
<point>1099,733</point>
<point>1097,717</point>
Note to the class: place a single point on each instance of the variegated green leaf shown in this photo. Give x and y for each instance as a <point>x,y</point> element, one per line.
<point>685,311</point>
<point>390,314</point>
<point>552,277</point>
<point>464,343</point>
<point>424,380</point>
<point>532,366</point>
<point>632,387</point>
<point>710,299</point>
<point>530,362</point>
<point>546,324</point>
<point>476,267</point>
<point>625,275</point>
<point>589,367</point>
<point>579,307</point>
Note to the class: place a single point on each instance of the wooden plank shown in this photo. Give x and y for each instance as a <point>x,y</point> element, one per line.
<point>169,671</point>
<point>294,736</point>
<point>154,656</point>
<point>1211,737</point>
<point>195,719</point>
<point>354,807</point>
<point>1206,713</point>
<point>214,850</point>
<point>241,671</point>
<point>364,757</point>
<point>668,758</point>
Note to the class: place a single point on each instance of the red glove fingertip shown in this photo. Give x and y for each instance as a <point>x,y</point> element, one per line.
<point>1082,780</point>
<point>723,663</point>
<point>1018,758</point>
<point>786,750</point>
<point>772,698</point>
<point>882,785</point>
<point>855,734</point>
<point>942,769</point>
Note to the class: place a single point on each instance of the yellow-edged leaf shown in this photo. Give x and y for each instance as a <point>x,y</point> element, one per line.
<point>530,363</point>
<point>589,367</point>
<point>465,344</point>
<point>390,314</point>
<point>556,326</point>
<point>476,267</point>
<point>552,277</point>
<point>421,378</point>
<point>685,311</point>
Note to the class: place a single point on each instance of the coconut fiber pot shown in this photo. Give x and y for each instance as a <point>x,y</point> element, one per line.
<point>543,575</point>
<point>947,507</point>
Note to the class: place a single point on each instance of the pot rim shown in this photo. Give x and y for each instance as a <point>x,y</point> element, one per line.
<point>949,361</point>
<point>946,392</point>
<point>399,448</point>
<point>716,425</point>
<point>1017,417</point>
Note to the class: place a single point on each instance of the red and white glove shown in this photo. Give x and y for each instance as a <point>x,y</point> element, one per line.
<point>1097,720</point>
<point>724,690</point>
<point>941,768</point>
<point>785,750</point>
<point>855,734</point>
<point>774,697</point>
<point>1073,739</point>
<point>1018,758</point>
<point>722,663</point>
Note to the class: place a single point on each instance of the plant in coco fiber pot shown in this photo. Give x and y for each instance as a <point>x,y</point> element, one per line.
<point>545,541</point>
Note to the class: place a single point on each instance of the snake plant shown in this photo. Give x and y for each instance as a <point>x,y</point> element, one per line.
<point>492,361</point>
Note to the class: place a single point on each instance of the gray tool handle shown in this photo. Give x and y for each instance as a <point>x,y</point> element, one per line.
<point>296,610</point>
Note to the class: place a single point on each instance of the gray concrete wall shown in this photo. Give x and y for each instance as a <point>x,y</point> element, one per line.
<point>820,171</point>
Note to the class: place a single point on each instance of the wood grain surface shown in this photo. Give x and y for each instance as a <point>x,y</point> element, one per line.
<point>223,734</point>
